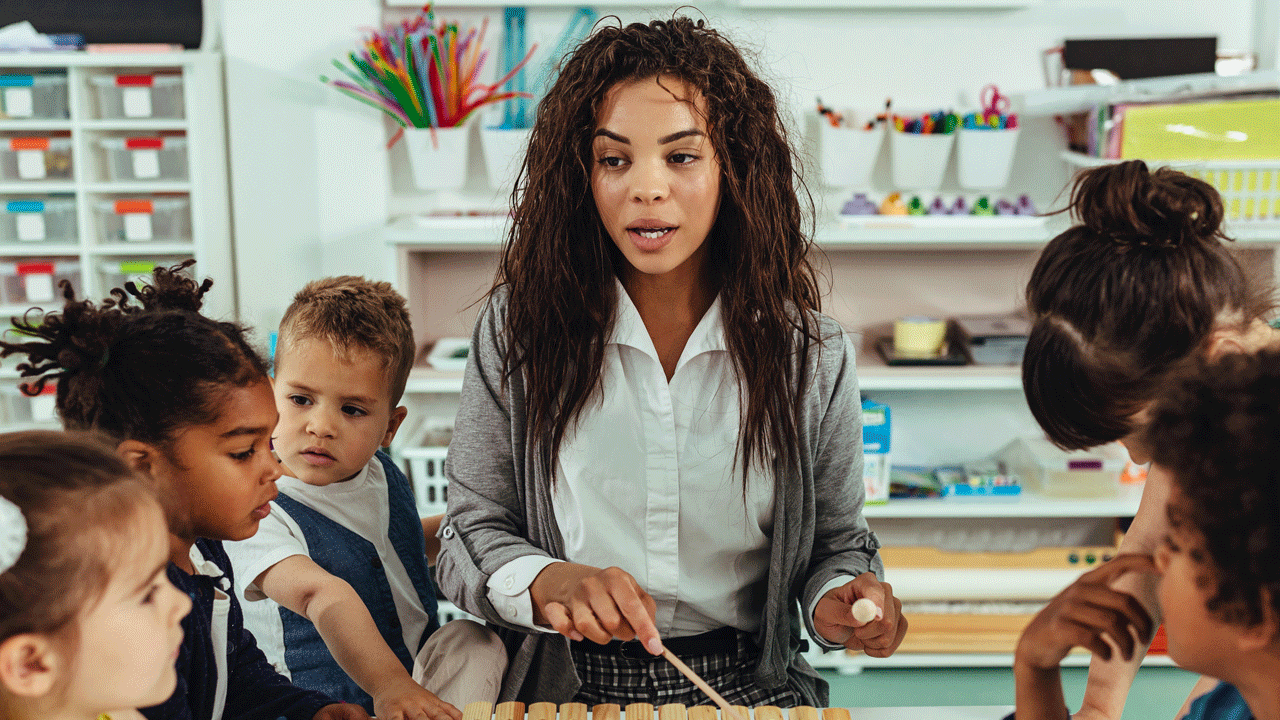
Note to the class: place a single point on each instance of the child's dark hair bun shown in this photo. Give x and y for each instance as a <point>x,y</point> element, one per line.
<point>1134,206</point>
<point>169,289</point>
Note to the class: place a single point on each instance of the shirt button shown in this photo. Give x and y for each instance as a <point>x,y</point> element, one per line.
<point>510,581</point>
<point>448,532</point>
<point>512,610</point>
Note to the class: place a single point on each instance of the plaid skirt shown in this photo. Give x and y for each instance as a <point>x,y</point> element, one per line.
<point>623,678</point>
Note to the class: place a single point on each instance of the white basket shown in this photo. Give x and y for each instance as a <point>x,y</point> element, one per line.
<point>138,96</point>
<point>36,97</point>
<point>144,219</point>
<point>36,220</point>
<point>919,160</point>
<point>849,154</point>
<point>1250,189</point>
<point>146,158</point>
<point>985,157</point>
<point>34,158</point>
<point>21,409</point>
<point>438,163</point>
<point>426,473</point>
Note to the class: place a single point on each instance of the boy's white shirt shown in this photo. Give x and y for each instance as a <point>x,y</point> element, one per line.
<point>279,537</point>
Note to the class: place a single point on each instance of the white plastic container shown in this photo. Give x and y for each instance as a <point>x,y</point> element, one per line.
<point>35,158</point>
<point>144,219</point>
<point>146,158</point>
<point>985,157</point>
<point>35,282</point>
<point>39,220</point>
<point>1049,470</point>
<point>33,96</point>
<point>426,472</point>
<point>115,273</point>
<point>23,409</point>
<point>439,164</point>
<point>920,160</point>
<point>848,155</point>
<point>503,154</point>
<point>139,96</point>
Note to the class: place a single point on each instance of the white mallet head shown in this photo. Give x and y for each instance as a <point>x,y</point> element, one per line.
<point>865,610</point>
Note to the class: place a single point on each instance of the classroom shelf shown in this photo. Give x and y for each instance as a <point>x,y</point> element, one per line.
<point>32,125</point>
<point>1080,98</point>
<point>854,663</point>
<point>134,186</point>
<point>871,377</point>
<point>1027,504</point>
<point>872,232</point>
<point>134,125</point>
<point>78,58</point>
<point>31,187</point>
<point>142,248</point>
<point>39,250</point>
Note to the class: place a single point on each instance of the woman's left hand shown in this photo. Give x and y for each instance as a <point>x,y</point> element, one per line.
<point>833,617</point>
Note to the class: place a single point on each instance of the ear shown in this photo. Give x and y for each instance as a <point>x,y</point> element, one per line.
<point>1222,343</point>
<point>1266,633</point>
<point>28,665</point>
<point>138,455</point>
<point>393,424</point>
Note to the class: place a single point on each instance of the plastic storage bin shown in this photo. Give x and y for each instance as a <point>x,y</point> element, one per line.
<point>848,155</point>
<point>985,157</point>
<point>115,273</point>
<point>139,96</point>
<point>144,219</point>
<point>146,158</point>
<point>35,282</point>
<point>426,472</point>
<point>919,161</point>
<point>36,97</point>
<point>1049,470</point>
<point>35,158</point>
<point>22,409</point>
<point>39,220</point>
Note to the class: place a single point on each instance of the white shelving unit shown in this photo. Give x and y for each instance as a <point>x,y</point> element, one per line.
<point>204,187</point>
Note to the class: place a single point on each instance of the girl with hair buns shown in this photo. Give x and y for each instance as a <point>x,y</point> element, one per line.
<point>83,550</point>
<point>656,444</point>
<point>1143,284</point>
<point>187,403</point>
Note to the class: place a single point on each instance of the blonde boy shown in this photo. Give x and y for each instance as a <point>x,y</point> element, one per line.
<point>343,552</point>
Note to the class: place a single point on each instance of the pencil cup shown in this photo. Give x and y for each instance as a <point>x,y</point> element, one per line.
<point>984,157</point>
<point>503,154</point>
<point>919,161</point>
<point>849,154</point>
<point>438,165</point>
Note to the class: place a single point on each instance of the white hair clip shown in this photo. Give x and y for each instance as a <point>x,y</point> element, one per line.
<point>13,534</point>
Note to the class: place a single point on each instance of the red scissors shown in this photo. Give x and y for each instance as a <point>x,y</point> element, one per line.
<point>993,101</point>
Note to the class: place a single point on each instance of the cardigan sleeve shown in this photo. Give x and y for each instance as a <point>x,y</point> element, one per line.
<point>485,526</point>
<point>843,544</point>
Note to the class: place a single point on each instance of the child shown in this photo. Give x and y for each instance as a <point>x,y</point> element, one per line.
<point>89,623</point>
<point>657,444</point>
<point>1142,282</point>
<point>1215,433</point>
<point>187,402</point>
<point>343,549</point>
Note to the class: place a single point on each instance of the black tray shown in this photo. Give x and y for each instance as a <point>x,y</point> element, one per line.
<point>953,355</point>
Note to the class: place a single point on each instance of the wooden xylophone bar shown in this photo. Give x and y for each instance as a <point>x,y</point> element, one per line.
<point>641,711</point>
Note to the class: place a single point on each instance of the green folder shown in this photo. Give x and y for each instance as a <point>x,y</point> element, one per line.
<point>1236,130</point>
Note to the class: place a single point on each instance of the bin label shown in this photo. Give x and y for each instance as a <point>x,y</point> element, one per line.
<point>31,165</point>
<point>146,164</point>
<point>39,287</point>
<point>137,101</point>
<point>18,102</point>
<point>137,226</point>
<point>30,226</point>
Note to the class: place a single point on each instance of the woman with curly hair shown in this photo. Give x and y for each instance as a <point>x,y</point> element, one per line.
<point>657,444</point>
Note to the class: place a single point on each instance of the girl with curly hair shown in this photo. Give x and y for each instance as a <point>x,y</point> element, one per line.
<point>657,444</point>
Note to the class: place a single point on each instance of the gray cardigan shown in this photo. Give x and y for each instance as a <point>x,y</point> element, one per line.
<point>500,509</point>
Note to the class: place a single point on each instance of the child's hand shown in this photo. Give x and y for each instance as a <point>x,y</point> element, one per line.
<point>341,711</point>
<point>1085,611</point>
<point>410,701</point>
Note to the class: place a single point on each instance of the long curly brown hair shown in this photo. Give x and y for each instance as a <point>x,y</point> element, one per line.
<point>559,264</point>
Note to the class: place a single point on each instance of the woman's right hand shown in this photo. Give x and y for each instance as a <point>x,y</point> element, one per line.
<point>580,601</point>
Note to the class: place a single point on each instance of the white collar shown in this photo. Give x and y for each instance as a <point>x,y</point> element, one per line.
<point>628,329</point>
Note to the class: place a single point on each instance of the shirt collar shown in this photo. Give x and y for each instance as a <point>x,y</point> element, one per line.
<point>628,329</point>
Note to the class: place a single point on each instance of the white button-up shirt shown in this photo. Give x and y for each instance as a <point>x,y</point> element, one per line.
<point>646,481</point>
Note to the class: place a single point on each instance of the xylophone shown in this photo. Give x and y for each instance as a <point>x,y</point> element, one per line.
<point>641,711</point>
